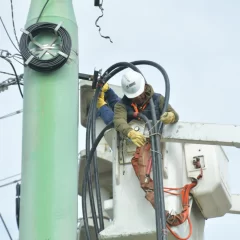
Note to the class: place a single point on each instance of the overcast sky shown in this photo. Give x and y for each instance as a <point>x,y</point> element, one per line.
<point>197,42</point>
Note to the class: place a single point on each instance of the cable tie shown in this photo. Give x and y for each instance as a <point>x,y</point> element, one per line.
<point>24,31</point>
<point>57,27</point>
<point>29,59</point>
<point>63,54</point>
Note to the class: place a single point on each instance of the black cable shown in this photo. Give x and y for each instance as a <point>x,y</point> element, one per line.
<point>158,153</point>
<point>8,232</point>
<point>10,183</point>
<point>42,10</point>
<point>99,28</point>
<point>155,143</point>
<point>18,81</point>
<point>8,34</point>
<point>155,148</point>
<point>157,164</point>
<point>95,163</point>
<point>90,137</point>
<point>13,23</point>
<point>89,184</point>
<point>10,114</point>
<point>7,73</point>
<point>18,61</point>
<point>86,171</point>
<point>18,193</point>
<point>94,116</point>
<point>47,65</point>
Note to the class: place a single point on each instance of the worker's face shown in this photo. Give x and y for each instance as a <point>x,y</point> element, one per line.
<point>139,99</point>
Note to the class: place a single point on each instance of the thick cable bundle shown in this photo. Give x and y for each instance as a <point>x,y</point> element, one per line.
<point>156,155</point>
<point>42,65</point>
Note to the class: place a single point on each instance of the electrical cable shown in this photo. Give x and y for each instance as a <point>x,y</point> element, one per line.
<point>96,22</point>
<point>13,23</point>
<point>11,114</point>
<point>18,61</point>
<point>155,142</point>
<point>10,183</point>
<point>95,98</point>
<point>95,164</point>
<point>6,228</point>
<point>18,81</point>
<point>4,179</point>
<point>89,184</point>
<point>45,65</point>
<point>7,73</point>
<point>42,10</point>
<point>90,136</point>
<point>18,193</point>
<point>8,34</point>
<point>86,171</point>
<point>157,168</point>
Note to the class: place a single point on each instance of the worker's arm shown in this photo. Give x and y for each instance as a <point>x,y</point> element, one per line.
<point>111,98</point>
<point>169,109</point>
<point>106,114</point>
<point>120,119</point>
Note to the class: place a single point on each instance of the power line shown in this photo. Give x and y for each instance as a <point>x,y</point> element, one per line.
<point>4,224</point>
<point>14,57</point>
<point>11,114</point>
<point>8,34</point>
<point>7,73</point>
<point>3,179</point>
<point>13,23</point>
<point>10,183</point>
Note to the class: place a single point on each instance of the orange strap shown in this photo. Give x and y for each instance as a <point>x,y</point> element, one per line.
<point>136,108</point>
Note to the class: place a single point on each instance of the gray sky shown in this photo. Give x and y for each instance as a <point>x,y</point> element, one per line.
<point>197,42</point>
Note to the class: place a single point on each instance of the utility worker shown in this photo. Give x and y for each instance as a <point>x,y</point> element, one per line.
<point>105,104</point>
<point>136,98</point>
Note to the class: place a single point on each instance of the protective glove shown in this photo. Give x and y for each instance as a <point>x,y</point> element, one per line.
<point>137,138</point>
<point>105,87</point>
<point>101,100</point>
<point>168,117</point>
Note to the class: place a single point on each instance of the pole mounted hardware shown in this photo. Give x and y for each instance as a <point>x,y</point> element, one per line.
<point>45,57</point>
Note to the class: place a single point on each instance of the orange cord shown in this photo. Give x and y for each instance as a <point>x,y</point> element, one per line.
<point>178,237</point>
<point>176,220</point>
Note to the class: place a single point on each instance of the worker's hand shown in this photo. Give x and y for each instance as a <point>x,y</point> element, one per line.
<point>137,138</point>
<point>105,87</point>
<point>168,117</point>
<point>101,100</point>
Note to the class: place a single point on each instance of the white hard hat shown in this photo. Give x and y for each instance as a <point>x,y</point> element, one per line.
<point>133,84</point>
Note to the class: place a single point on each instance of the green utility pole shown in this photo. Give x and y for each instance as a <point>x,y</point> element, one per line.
<point>48,208</point>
